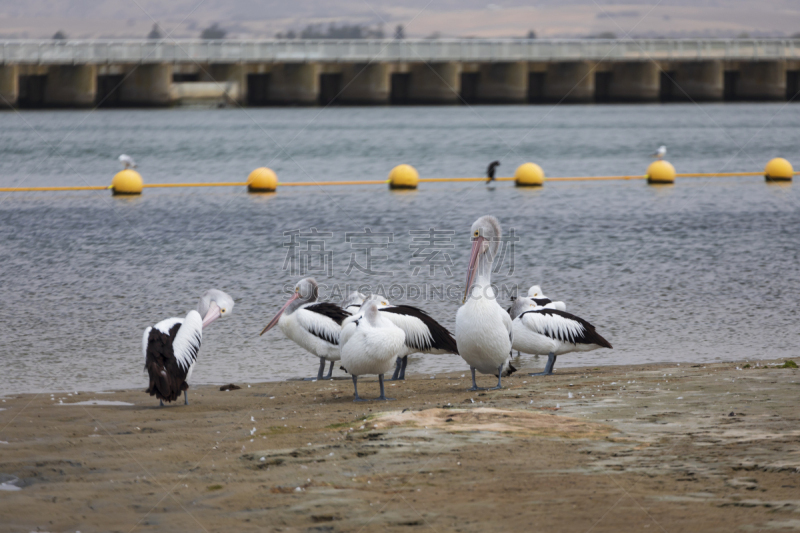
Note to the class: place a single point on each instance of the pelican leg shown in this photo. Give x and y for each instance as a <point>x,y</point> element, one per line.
<point>161,403</point>
<point>185,398</point>
<point>548,368</point>
<point>403,369</point>
<point>474,385</point>
<point>330,372</point>
<point>383,394</point>
<point>355,388</point>
<point>398,363</point>
<point>499,378</point>
<point>320,372</point>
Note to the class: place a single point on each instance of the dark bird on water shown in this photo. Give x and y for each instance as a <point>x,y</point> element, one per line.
<point>170,347</point>
<point>490,171</point>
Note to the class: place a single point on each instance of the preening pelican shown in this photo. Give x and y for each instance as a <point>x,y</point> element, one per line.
<point>483,329</point>
<point>170,347</point>
<point>370,343</point>
<point>540,331</point>
<point>423,333</point>
<point>314,326</point>
<point>127,161</point>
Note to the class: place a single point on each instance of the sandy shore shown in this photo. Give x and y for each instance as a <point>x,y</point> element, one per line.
<point>629,448</point>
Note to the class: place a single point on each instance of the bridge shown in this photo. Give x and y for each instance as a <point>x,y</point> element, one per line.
<point>445,71</point>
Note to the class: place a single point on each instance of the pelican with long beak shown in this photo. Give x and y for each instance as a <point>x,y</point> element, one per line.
<point>483,329</point>
<point>314,326</point>
<point>170,347</point>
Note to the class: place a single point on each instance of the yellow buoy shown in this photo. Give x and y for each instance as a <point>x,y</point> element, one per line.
<point>529,175</point>
<point>126,182</point>
<point>403,177</point>
<point>660,172</point>
<point>778,169</point>
<point>262,179</point>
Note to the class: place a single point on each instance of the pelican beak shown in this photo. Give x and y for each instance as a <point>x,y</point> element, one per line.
<point>212,314</point>
<point>477,244</point>
<point>274,321</point>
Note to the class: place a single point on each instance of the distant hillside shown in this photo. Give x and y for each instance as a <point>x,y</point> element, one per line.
<point>448,18</point>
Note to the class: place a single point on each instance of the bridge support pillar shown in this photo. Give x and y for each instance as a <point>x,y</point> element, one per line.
<point>762,80</point>
<point>294,83</point>
<point>71,86</point>
<point>435,83</point>
<point>700,81</point>
<point>147,85</point>
<point>227,75</point>
<point>503,83</point>
<point>571,81</point>
<point>9,86</point>
<point>366,83</point>
<point>634,82</point>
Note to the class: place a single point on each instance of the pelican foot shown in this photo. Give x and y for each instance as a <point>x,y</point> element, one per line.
<point>360,399</point>
<point>397,365</point>
<point>384,398</point>
<point>495,388</point>
<point>473,389</point>
<point>548,368</point>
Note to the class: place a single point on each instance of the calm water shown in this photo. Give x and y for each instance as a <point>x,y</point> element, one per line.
<point>705,270</point>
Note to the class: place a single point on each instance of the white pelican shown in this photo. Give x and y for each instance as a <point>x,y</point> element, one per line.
<point>483,328</point>
<point>660,153</point>
<point>353,302</point>
<point>314,326</point>
<point>370,343</point>
<point>127,161</point>
<point>170,347</point>
<point>540,330</point>
<point>423,333</point>
<point>535,292</point>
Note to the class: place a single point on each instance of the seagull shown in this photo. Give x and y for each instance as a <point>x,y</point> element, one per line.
<point>535,292</point>
<point>490,170</point>
<point>483,329</point>
<point>423,333</point>
<point>539,330</point>
<point>127,161</point>
<point>314,326</point>
<point>660,153</point>
<point>370,343</point>
<point>170,347</point>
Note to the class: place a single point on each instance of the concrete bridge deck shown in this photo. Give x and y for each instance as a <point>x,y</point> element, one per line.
<point>446,71</point>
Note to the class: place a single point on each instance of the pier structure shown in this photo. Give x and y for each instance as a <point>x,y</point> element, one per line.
<point>64,74</point>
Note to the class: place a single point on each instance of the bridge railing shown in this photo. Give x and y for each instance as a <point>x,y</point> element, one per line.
<point>363,50</point>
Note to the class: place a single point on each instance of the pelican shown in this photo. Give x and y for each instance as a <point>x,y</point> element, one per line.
<point>127,161</point>
<point>370,343</point>
<point>170,347</point>
<point>353,302</point>
<point>660,153</point>
<point>491,169</point>
<point>540,330</point>
<point>423,333</point>
<point>314,326</point>
<point>535,292</point>
<point>483,329</point>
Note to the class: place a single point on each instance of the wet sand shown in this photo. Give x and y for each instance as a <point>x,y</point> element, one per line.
<point>630,448</point>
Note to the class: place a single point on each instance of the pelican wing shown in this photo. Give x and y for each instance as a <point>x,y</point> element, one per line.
<point>167,378</point>
<point>423,333</point>
<point>509,324</point>
<point>145,339</point>
<point>562,326</point>
<point>323,320</point>
<point>187,340</point>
